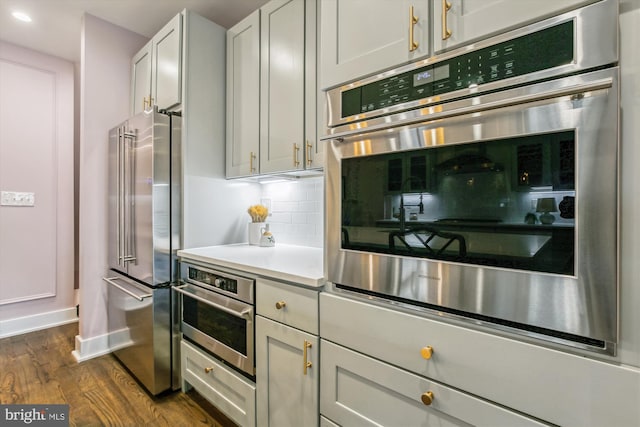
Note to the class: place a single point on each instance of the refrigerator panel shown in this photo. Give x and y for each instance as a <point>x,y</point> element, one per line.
<point>139,329</point>
<point>149,199</point>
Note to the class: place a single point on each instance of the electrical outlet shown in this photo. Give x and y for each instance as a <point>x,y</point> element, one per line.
<point>17,198</point>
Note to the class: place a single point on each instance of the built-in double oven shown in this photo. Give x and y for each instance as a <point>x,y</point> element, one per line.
<point>216,311</point>
<point>482,184</point>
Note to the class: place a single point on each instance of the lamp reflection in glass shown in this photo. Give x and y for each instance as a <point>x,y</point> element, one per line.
<point>546,205</point>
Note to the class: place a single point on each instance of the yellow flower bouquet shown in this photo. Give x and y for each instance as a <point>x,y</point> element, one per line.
<point>258,213</point>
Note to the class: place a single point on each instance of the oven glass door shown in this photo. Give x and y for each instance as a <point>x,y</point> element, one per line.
<point>222,325</point>
<point>504,203</point>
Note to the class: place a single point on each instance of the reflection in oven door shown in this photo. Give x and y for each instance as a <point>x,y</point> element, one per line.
<point>221,325</point>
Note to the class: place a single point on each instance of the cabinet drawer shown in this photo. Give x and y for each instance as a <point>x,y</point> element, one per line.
<point>358,390</point>
<point>292,305</point>
<point>228,391</point>
<point>470,360</point>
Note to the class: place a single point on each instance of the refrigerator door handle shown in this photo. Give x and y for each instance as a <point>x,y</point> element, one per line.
<point>129,193</point>
<point>111,281</point>
<point>119,196</point>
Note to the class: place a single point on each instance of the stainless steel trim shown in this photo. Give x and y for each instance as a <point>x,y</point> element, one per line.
<point>110,280</point>
<point>239,314</point>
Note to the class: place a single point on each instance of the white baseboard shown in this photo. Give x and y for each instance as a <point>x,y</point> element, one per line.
<point>36,322</point>
<point>91,347</point>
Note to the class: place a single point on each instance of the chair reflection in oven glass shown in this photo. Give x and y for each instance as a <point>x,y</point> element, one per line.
<point>427,240</point>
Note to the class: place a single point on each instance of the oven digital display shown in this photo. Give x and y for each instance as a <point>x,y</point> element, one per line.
<point>423,77</point>
<point>538,51</point>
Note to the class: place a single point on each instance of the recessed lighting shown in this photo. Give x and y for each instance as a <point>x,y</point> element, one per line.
<point>21,16</point>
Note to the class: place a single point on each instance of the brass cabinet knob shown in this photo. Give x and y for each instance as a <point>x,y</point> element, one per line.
<point>280,305</point>
<point>427,398</point>
<point>207,370</point>
<point>427,352</point>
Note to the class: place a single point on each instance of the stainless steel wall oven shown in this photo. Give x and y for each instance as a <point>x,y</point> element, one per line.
<point>217,313</point>
<point>482,184</point>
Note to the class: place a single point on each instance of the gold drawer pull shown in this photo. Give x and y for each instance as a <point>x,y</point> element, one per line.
<point>427,398</point>
<point>307,364</point>
<point>280,305</point>
<point>427,352</point>
<point>207,370</point>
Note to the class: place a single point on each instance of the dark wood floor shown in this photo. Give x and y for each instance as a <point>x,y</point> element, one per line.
<point>38,368</point>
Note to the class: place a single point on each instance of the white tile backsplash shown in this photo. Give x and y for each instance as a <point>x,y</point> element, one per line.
<point>297,211</point>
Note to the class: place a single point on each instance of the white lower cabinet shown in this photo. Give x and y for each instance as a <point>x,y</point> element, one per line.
<point>287,355</point>
<point>377,361</point>
<point>227,390</point>
<point>358,390</point>
<point>286,375</point>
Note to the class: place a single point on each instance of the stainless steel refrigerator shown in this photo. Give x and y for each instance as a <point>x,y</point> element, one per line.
<point>144,235</point>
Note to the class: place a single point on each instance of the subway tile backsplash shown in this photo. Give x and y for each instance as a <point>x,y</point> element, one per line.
<point>297,208</point>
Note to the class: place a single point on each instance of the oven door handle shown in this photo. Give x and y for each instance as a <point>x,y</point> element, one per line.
<point>239,314</point>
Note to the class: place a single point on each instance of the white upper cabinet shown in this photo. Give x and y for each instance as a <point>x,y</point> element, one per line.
<point>363,37</point>
<point>283,86</point>
<point>272,105</point>
<point>243,97</point>
<point>141,80</point>
<point>167,71</point>
<point>458,22</point>
<point>156,70</point>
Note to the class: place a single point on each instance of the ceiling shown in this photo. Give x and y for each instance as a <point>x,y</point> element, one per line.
<point>56,25</point>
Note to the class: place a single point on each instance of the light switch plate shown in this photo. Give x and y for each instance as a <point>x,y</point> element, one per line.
<point>17,198</point>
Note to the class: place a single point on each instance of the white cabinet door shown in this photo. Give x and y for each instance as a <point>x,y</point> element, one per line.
<point>282,139</point>
<point>360,391</point>
<point>167,61</point>
<point>286,375</point>
<point>468,20</point>
<point>141,80</point>
<point>243,97</point>
<point>363,37</point>
<point>227,390</point>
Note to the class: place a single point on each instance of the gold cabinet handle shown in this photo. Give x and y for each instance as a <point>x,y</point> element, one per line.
<point>446,33</point>
<point>252,168</point>
<point>413,20</point>
<point>307,364</point>
<point>207,370</point>
<point>427,398</point>
<point>296,150</point>
<point>280,305</point>
<point>309,159</point>
<point>426,352</point>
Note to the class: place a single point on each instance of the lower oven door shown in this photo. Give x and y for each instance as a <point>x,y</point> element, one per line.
<point>222,325</point>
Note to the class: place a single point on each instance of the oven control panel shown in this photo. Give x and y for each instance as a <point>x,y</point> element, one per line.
<point>214,280</point>
<point>544,49</point>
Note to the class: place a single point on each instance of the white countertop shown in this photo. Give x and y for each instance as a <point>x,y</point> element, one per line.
<point>297,264</point>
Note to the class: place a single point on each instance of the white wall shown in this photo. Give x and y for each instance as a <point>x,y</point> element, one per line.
<point>36,155</point>
<point>297,211</point>
<point>106,51</point>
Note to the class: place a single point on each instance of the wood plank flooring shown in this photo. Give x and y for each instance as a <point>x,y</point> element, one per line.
<point>38,368</point>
